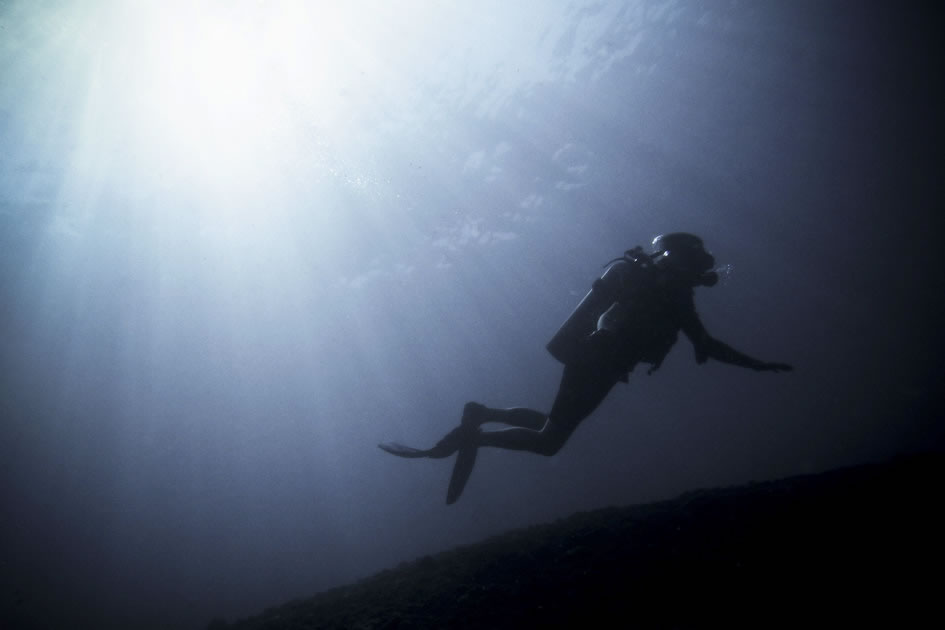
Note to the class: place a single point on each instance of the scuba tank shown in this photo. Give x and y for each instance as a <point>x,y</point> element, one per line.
<point>619,279</point>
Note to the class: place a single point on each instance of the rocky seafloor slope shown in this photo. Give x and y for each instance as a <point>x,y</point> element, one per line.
<point>855,546</point>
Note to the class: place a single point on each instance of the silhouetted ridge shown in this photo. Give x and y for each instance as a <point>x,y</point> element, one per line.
<point>856,545</point>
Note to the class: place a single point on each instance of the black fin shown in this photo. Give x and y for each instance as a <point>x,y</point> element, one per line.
<point>465,460</point>
<point>403,451</point>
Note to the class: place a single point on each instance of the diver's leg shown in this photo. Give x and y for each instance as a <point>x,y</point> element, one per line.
<point>581,390</point>
<point>475,414</point>
<point>579,394</point>
<point>545,441</point>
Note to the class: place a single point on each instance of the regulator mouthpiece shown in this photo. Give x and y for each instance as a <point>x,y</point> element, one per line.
<point>719,273</point>
<point>709,279</point>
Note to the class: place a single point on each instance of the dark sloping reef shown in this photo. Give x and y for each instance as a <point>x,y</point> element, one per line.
<point>860,545</point>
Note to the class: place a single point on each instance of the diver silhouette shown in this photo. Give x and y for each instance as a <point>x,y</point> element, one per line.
<point>632,315</point>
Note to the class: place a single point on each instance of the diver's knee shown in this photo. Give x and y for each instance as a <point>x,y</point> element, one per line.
<point>553,439</point>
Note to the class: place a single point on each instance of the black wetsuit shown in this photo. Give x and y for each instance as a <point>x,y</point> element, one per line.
<point>633,314</point>
<point>647,327</point>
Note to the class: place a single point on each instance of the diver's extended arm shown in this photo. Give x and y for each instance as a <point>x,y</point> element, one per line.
<point>711,348</point>
<point>708,347</point>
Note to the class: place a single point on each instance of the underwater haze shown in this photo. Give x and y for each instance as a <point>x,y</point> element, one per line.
<point>243,242</point>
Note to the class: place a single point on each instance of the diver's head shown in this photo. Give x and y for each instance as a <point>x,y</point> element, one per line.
<point>685,255</point>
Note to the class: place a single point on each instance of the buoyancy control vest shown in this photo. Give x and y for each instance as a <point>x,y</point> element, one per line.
<point>627,281</point>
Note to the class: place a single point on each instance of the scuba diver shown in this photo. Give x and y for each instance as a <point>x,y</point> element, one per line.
<point>631,315</point>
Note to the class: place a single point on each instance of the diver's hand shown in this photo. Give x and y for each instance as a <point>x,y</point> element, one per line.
<point>773,367</point>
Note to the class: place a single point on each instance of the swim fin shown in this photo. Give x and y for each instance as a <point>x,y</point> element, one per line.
<point>450,443</point>
<point>403,451</point>
<point>465,460</point>
<point>465,457</point>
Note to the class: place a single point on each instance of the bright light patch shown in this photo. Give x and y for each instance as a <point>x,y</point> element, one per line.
<point>209,100</point>
<point>222,89</point>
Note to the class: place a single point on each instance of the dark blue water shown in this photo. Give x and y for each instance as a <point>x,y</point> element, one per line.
<point>242,243</point>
